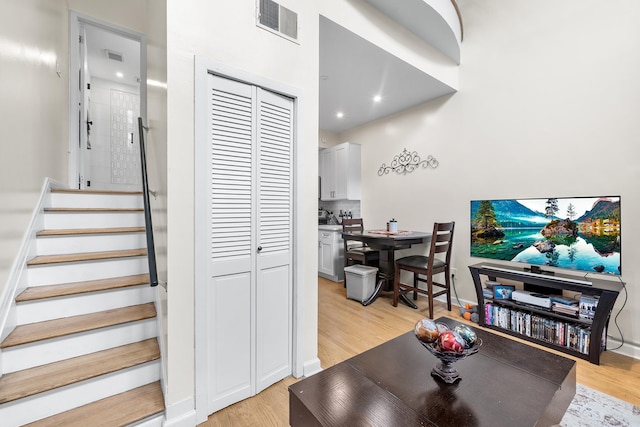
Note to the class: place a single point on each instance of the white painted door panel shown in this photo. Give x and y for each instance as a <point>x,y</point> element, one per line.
<point>229,344</point>
<point>273,326</point>
<point>273,332</point>
<point>249,222</point>
<point>229,305</point>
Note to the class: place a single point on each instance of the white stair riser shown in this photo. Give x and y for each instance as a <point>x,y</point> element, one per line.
<point>80,271</point>
<point>71,244</point>
<point>57,220</point>
<point>44,405</point>
<point>55,308</point>
<point>53,350</point>
<point>75,200</point>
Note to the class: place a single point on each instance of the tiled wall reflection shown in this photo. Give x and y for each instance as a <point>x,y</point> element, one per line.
<point>125,149</point>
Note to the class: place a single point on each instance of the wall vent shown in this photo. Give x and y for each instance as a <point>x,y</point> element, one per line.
<point>114,56</point>
<point>278,19</point>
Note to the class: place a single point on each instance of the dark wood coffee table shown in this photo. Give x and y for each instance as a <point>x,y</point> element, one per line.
<point>506,383</point>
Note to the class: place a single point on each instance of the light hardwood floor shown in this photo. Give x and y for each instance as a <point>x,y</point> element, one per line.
<point>346,328</point>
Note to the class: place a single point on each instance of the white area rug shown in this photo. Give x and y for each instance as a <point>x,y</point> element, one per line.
<point>590,408</point>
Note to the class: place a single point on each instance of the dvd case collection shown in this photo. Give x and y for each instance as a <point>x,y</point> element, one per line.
<point>588,305</point>
<point>574,336</point>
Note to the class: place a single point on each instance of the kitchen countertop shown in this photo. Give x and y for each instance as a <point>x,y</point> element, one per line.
<point>327,227</point>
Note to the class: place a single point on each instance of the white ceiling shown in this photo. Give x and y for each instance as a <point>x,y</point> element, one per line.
<point>98,41</point>
<point>353,71</point>
<point>429,20</point>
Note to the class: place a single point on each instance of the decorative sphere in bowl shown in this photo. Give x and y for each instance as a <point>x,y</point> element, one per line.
<point>451,341</point>
<point>467,334</point>
<point>426,330</point>
<point>441,327</point>
<point>450,347</point>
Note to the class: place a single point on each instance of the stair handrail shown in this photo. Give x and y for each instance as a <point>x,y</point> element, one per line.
<point>151,251</point>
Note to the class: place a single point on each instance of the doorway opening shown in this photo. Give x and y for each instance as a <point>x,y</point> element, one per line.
<point>107,95</point>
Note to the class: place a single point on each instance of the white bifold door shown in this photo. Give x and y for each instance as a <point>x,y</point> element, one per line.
<point>249,289</point>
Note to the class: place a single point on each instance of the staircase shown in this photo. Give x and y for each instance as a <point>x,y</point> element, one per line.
<point>84,350</point>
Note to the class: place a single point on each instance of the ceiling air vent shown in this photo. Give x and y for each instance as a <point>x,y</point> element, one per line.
<point>278,19</point>
<point>114,56</point>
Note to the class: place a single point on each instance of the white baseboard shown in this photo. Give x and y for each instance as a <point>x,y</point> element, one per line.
<point>181,414</point>
<point>627,349</point>
<point>311,367</point>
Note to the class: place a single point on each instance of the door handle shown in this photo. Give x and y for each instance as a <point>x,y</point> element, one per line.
<point>259,249</point>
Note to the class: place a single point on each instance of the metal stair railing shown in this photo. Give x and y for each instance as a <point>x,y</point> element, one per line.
<point>151,252</point>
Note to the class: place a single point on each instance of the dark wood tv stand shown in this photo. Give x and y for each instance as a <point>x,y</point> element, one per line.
<point>606,290</point>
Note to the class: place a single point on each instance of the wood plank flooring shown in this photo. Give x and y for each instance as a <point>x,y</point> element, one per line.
<point>75,288</point>
<point>16,385</point>
<point>85,191</point>
<point>32,332</point>
<point>346,328</point>
<point>101,210</point>
<point>86,256</point>
<point>83,231</point>
<point>118,411</point>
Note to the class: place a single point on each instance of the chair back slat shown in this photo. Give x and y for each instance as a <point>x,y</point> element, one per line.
<point>352,225</point>
<point>441,241</point>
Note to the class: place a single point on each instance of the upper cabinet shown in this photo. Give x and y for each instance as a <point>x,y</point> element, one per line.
<point>340,172</point>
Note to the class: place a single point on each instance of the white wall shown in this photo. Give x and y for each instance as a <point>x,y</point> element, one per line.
<point>548,105</point>
<point>156,34</point>
<point>359,17</point>
<point>225,31</point>
<point>34,45</point>
<point>33,141</point>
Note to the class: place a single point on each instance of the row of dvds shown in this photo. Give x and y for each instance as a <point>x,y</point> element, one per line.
<point>566,334</point>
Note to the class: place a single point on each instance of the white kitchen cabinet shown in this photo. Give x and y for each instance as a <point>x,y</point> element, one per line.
<point>340,172</point>
<point>327,174</point>
<point>330,252</point>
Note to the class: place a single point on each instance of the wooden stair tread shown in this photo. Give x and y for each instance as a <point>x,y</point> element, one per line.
<point>32,332</point>
<point>63,289</point>
<point>119,410</point>
<point>86,256</point>
<point>68,210</point>
<point>81,231</point>
<point>77,191</point>
<point>16,385</point>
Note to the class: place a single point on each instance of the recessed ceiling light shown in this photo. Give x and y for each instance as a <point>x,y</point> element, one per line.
<point>339,114</point>
<point>377,98</point>
<point>119,74</point>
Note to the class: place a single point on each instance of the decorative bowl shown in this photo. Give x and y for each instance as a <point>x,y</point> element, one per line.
<point>445,369</point>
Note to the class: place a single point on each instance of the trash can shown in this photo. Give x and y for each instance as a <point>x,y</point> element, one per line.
<point>361,281</point>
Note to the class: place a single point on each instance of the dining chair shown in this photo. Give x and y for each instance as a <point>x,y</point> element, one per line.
<point>428,266</point>
<point>357,252</point>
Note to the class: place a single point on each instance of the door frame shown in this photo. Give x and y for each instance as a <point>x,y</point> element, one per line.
<point>204,67</point>
<point>76,98</point>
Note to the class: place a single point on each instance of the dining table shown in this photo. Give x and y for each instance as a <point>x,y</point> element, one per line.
<point>387,242</point>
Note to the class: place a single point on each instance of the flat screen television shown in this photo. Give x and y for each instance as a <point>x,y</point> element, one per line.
<point>576,233</point>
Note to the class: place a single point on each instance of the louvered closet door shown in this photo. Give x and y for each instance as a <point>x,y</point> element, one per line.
<point>249,292</point>
<point>274,303</point>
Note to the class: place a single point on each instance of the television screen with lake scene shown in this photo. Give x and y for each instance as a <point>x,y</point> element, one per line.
<point>578,233</point>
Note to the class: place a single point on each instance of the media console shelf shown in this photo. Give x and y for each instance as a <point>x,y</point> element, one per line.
<point>605,290</point>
